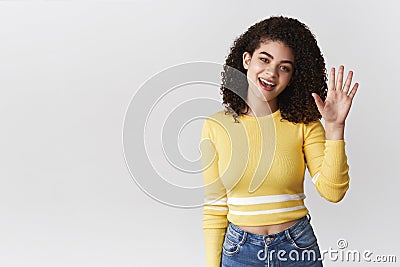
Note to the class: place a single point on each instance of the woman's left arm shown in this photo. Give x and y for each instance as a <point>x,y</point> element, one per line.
<point>324,149</point>
<point>337,104</point>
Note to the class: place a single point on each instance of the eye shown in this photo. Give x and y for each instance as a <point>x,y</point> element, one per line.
<point>266,60</point>
<point>285,69</point>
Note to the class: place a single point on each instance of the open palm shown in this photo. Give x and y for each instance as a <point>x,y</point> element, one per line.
<point>339,98</point>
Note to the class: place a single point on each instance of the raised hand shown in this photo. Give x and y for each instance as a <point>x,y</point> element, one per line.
<point>338,100</point>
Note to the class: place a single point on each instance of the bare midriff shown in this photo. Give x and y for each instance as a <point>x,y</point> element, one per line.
<point>268,229</point>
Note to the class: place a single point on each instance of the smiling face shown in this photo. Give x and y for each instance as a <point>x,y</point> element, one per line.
<point>269,71</point>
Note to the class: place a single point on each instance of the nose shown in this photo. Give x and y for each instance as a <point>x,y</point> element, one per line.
<point>271,71</point>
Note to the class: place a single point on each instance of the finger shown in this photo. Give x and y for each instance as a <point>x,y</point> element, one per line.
<point>348,82</point>
<point>354,90</point>
<point>339,81</point>
<point>318,102</point>
<point>332,79</point>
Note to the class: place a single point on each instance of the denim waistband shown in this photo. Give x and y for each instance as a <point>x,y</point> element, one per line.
<point>270,239</point>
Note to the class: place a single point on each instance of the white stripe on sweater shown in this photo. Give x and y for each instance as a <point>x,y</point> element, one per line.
<point>261,212</point>
<point>264,199</point>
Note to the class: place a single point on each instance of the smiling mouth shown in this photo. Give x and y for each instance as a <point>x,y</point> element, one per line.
<point>266,85</point>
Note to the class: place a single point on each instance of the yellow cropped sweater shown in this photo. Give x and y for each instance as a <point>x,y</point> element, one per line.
<point>254,172</point>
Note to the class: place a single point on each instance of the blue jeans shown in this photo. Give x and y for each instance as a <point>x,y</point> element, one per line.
<point>294,246</point>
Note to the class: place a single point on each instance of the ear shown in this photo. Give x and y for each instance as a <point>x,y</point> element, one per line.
<point>246,60</point>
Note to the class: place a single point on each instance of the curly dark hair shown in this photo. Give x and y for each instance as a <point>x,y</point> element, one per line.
<point>296,103</point>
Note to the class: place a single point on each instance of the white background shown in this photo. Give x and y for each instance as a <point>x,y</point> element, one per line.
<point>68,70</point>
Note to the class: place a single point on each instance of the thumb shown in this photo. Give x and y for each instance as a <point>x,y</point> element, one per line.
<point>318,102</point>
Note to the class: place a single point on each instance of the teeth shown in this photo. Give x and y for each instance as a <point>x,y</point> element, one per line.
<point>266,82</point>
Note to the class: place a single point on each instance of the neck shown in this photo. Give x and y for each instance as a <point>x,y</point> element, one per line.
<point>259,107</point>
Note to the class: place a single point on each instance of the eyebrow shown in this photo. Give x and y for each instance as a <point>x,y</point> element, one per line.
<point>283,61</point>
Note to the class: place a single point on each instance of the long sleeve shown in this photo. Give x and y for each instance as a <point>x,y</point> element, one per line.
<point>326,161</point>
<point>215,207</point>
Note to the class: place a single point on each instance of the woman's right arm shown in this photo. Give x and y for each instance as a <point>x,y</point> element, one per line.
<point>215,208</point>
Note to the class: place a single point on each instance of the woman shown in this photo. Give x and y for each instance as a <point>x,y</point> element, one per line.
<point>254,153</point>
